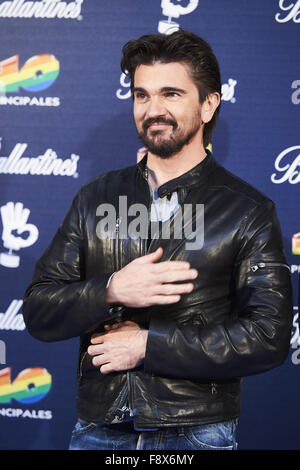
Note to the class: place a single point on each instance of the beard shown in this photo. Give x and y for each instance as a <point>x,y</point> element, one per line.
<point>168,146</point>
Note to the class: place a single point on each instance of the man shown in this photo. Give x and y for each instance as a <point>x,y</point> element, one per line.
<point>168,325</point>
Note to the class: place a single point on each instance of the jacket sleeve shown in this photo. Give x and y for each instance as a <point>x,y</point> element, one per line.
<point>60,303</point>
<point>255,337</point>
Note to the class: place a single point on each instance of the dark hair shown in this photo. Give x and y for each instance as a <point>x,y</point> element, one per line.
<point>181,46</point>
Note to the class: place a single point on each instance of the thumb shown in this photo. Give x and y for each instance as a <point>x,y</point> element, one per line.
<point>152,257</point>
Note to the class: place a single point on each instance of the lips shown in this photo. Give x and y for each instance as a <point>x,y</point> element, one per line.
<point>158,124</point>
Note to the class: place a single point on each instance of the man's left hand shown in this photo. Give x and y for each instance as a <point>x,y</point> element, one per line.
<point>121,347</point>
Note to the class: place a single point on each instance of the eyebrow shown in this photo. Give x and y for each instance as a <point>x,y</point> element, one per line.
<point>162,90</point>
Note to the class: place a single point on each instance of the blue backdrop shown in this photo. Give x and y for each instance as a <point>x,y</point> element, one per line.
<point>66,116</point>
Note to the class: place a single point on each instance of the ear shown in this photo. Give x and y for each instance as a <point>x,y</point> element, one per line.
<point>209,106</point>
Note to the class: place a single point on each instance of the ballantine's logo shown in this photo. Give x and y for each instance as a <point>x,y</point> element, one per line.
<point>46,164</point>
<point>290,170</point>
<point>292,9</point>
<point>42,9</point>
<point>14,220</point>
<point>11,319</point>
<point>125,83</point>
<point>30,385</point>
<point>171,10</point>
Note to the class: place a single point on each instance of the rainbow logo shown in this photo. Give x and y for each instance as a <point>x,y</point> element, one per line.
<point>296,244</point>
<point>30,385</point>
<point>38,73</point>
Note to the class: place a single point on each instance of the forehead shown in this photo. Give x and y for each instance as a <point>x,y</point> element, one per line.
<point>159,75</point>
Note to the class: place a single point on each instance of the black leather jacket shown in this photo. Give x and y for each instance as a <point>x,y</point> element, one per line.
<point>236,322</point>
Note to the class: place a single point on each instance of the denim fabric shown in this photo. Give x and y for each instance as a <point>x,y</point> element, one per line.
<point>99,436</point>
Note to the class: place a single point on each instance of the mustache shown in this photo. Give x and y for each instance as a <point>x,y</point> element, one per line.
<point>147,123</point>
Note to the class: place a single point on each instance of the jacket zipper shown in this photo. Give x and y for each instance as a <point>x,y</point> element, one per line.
<point>213,386</point>
<point>118,221</point>
<point>257,266</point>
<point>144,244</point>
<point>120,411</point>
<point>117,310</point>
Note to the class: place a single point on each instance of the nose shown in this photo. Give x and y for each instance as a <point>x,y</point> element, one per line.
<point>156,107</point>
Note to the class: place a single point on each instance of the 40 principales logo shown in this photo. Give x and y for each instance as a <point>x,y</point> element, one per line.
<point>14,220</point>
<point>41,9</point>
<point>29,387</point>
<point>37,74</point>
<point>296,244</point>
<point>174,10</point>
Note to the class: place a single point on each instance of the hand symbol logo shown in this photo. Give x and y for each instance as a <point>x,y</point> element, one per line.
<point>15,228</point>
<point>171,10</point>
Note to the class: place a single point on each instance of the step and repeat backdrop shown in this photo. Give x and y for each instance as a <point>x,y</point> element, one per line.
<point>66,116</point>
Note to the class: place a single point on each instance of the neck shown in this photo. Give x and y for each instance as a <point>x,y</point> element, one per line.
<point>162,170</point>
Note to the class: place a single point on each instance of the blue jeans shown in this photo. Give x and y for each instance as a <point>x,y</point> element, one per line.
<point>123,436</point>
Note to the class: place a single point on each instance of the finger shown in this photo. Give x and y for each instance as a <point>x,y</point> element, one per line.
<point>115,326</point>
<point>99,360</point>
<point>124,326</point>
<point>106,369</point>
<point>174,289</point>
<point>151,257</point>
<point>94,350</point>
<point>171,265</point>
<point>128,323</point>
<point>175,276</point>
<point>97,338</point>
<point>165,299</point>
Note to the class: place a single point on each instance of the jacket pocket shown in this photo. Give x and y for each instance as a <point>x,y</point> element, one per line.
<point>267,265</point>
<point>267,274</point>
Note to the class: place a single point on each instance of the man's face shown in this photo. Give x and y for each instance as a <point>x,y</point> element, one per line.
<point>167,110</point>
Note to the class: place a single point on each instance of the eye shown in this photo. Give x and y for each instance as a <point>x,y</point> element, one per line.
<point>172,94</point>
<point>139,95</point>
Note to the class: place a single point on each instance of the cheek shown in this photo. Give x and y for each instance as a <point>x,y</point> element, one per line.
<point>181,112</point>
<point>138,116</point>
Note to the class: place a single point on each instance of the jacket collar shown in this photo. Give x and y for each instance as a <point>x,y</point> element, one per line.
<point>196,176</point>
